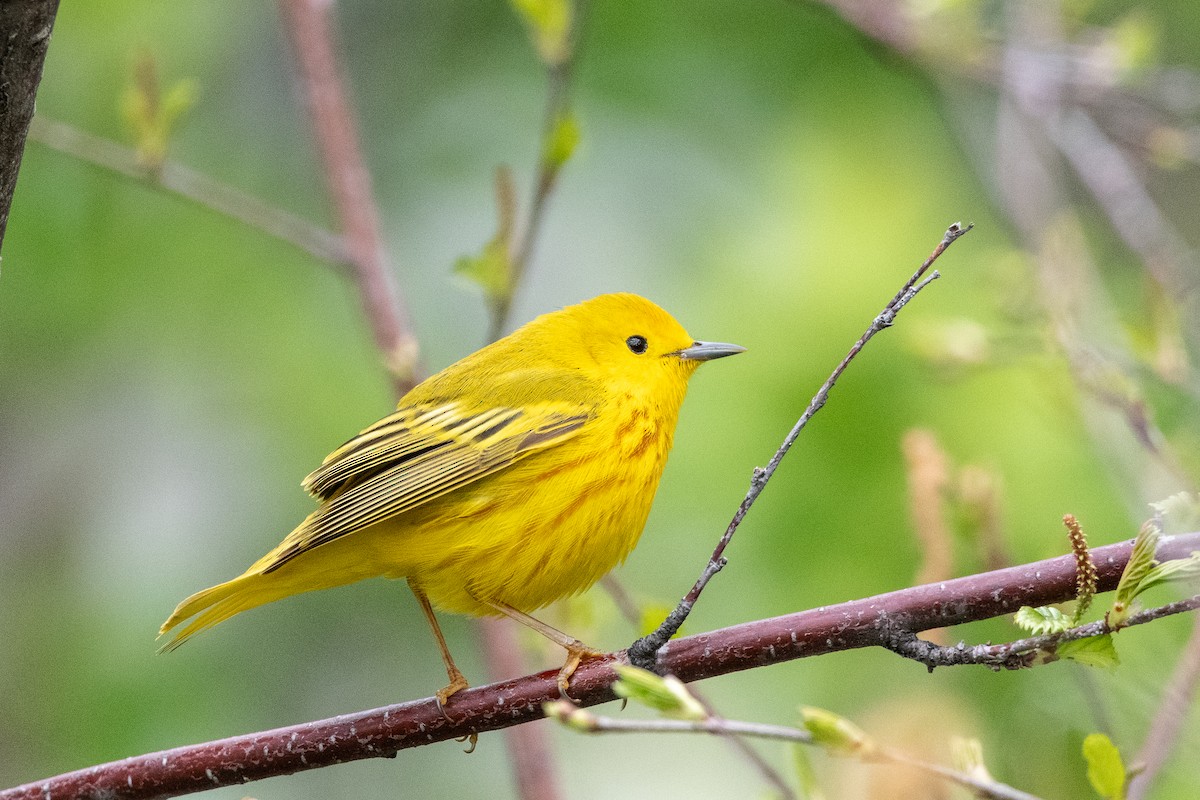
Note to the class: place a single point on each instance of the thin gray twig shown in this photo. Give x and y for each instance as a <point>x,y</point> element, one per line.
<point>643,652</point>
<point>195,187</point>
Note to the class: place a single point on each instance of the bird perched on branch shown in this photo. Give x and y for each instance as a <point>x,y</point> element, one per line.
<point>518,476</point>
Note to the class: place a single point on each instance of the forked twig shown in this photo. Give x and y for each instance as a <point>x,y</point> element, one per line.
<point>644,651</point>
<point>590,723</point>
<point>1016,654</point>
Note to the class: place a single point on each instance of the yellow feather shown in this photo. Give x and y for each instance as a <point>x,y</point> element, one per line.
<point>517,476</point>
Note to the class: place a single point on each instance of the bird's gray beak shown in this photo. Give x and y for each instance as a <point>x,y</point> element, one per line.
<point>707,351</point>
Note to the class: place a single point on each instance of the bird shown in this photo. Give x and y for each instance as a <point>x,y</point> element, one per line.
<point>513,478</point>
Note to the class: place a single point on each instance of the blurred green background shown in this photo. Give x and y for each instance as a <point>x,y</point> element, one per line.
<point>762,170</point>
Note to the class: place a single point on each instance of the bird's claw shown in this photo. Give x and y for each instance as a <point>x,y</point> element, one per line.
<point>576,653</point>
<point>457,684</point>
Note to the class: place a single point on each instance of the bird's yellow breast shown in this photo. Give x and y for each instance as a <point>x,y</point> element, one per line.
<point>572,513</point>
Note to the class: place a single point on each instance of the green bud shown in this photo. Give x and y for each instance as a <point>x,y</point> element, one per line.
<point>666,695</point>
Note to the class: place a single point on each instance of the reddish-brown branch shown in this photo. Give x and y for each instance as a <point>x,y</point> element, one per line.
<point>312,38</point>
<point>308,28</point>
<point>528,745</point>
<point>385,731</point>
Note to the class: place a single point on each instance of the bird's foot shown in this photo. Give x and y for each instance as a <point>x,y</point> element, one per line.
<point>457,684</point>
<point>577,651</point>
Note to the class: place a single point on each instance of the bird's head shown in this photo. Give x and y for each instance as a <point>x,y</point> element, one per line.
<point>632,345</point>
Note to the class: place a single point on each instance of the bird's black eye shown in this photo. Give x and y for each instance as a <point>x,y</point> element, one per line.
<point>636,344</point>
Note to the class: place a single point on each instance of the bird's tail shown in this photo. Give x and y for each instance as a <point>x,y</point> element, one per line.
<point>218,603</point>
<point>333,564</point>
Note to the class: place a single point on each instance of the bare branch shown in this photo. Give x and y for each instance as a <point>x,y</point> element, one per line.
<point>1018,654</point>
<point>382,732</point>
<point>642,652</point>
<point>193,186</point>
<point>311,36</point>
<point>589,723</point>
<point>558,100</point>
<point>531,757</point>
<point>1176,703</point>
<point>1122,194</point>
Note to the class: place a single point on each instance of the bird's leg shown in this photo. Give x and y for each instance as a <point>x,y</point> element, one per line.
<point>576,650</point>
<point>457,681</point>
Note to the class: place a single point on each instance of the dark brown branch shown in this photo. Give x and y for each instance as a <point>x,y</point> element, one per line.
<point>311,36</point>
<point>1013,655</point>
<point>25,27</point>
<point>642,652</point>
<point>530,754</point>
<point>382,732</point>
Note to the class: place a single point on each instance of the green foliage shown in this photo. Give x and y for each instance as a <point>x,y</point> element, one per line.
<point>806,776</point>
<point>835,733</point>
<point>967,754</point>
<point>1141,562</point>
<point>1177,514</point>
<point>1105,769</point>
<point>561,141</point>
<point>549,25</point>
<point>153,116</point>
<point>1177,569</point>
<point>492,269</point>
<point>1092,651</point>
<point>668,695</point>
<point>1041,620</point>
<point>1180,513</point>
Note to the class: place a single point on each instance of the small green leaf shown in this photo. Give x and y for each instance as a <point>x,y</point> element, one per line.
<point>491,270</point>
<point>151,115</point>
<point>835,733</point>
<point>549,25</point>
<point>1042,620</point>
<point>666,695</point>
<point>570,715</point>
<point>1141,561</point>
<point>806,776</point>
<point>1180,512</point>
<point>1106,770</point>
<point>1134,40</point>
<point>1093,651</point>
<point>968,758</point>
<point>1177,569</point>
<point>561,141</point>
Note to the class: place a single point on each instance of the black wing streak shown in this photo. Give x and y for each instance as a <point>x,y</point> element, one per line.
<point>332,490</point>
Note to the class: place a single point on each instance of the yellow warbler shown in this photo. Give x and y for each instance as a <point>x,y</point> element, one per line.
<point>515,477</point>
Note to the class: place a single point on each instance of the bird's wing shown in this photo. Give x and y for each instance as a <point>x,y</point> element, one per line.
<point>415,455</point>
